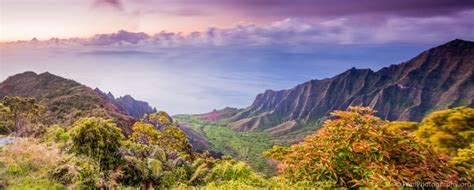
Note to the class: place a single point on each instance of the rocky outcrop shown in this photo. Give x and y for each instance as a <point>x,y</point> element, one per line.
<point>128,105</point>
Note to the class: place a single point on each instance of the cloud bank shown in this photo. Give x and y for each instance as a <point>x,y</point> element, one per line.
<point>292,32</point>
<point>304,8</point>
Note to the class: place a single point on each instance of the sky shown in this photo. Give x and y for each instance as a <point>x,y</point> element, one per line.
<point>192,56</point>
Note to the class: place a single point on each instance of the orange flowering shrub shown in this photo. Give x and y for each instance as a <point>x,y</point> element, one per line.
<point>356,149</point>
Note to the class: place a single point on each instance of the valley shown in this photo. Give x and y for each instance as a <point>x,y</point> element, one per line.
<point>360,128</point>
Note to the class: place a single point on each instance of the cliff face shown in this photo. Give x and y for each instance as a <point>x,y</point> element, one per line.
<point>128,105</point>
<point>439,78</point>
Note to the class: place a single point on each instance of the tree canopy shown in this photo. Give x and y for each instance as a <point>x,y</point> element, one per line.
<point>20,115</point>
<point>97,138</point>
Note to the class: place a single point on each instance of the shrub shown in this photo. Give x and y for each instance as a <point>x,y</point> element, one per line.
<point>97,138</point>
<point>174,139</point>
<point>56,134</point>
<point>451,132</point>
<point>404,126</point>
<point>22,116</point>
<point>167,133</point>
<point>228,170</point>
<point>5,120</point>
<point>143,164</point>
<point>77,172</point>
<point>448,130</point>
<point>464,162</point>
<point>357,149</point>
<point>144,133</point>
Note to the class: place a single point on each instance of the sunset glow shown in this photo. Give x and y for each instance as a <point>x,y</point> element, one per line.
<point>262,44</point>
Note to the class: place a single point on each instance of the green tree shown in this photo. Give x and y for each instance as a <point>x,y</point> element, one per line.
<point>24,113</point>
<point>160,120</point>
<point>171,137</point>
<point>5,120</point>
<point>357,149</point>
<point>144,133</point>
<point>174,139</point>
<point>98,139</point>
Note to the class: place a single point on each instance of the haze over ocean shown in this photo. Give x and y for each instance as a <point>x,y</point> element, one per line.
<point>228,51</point>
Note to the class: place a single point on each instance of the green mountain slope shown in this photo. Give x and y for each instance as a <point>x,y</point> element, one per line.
<point>439,78</point>
<point>65,100</point>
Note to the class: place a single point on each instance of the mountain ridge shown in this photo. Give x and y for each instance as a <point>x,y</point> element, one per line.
<point>438,78</point>
<point>66,101</point>
<point>129,105</point>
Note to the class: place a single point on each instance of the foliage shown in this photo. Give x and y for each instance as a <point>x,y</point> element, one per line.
<point>97,138</point>
<point>159,119</point>
<point>144,133</point>
<point>25,164</point>
<point>357,149</point>
<point>464,162</point>
<point>167,135</point>
<point>403,125</point>
<point>78,172</point>
<point>353,149</point>
<point>226,170</point>
<point>143,164</point>
<point>448,130</point>
<point>451,132</point>
<point>174,139</point>
<point>21,115</point>
<point>5,119</point>
<point>56,134</point>
<point>150,165</point>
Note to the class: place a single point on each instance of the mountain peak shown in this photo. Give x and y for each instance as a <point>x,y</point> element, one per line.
<point>24,74</point>
<point>458,43</point>
<point>127,97</point>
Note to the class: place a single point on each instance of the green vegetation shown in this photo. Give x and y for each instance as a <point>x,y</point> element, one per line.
<point>26,164</point>
<point>20,116</point>
<point>353,149</point>
<point>92,153</point>
<point>98,139</point>
<point>245,146</point>
<point>449,132</point>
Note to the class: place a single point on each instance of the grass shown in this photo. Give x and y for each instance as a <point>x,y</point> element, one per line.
<point>245,146</point>
<point>25,163</point>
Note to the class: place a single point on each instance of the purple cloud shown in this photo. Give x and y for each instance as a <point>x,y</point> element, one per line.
<point>299,32</point>
<point>325,8</point>
<point>117,38</point>
<point>117,4</point>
